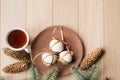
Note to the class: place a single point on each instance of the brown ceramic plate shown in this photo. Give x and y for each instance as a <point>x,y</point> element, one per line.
<point>42,41</point>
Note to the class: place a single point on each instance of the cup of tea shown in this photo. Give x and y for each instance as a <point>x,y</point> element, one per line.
<point>17,39</point>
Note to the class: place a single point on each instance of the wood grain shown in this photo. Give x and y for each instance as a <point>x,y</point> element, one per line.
<point>39,16</point>
<point>91,26</point>
<point>13,14</point>
<point>65,12</point>
<point>112,38</point>
<point>96,21</point>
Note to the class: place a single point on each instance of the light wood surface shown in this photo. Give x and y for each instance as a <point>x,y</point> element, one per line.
<point>96,21</point>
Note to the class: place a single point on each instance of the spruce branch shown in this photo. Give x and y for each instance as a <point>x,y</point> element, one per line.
<point>89,74</point>
<point>1,78</point>
<point>34,73</point>
<point>51,74</point>
<point>78,72</point>
<point>93,71</point>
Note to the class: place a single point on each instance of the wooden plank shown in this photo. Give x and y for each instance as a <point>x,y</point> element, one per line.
<point>91,26</point>
<point>0,36</point>
<point>39,16</point>
<point>65,12</point>
<point>100,25</point>
<point>13,14</point>
<point>112,38</point>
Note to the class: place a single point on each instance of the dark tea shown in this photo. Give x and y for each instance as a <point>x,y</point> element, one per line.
<point>17,39</point>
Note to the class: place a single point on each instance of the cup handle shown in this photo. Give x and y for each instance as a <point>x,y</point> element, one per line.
<point>27,49</point>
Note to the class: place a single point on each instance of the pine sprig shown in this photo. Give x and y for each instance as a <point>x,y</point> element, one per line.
<point>34,73</point>
<point>78,72</point>
<point>93,71</point>
<point>1,78</point>
<point>51,74</point>
<point>89,74</point>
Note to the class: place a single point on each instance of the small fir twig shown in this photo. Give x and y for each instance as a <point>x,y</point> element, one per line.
<point>1,78</point>
<point>89,74</point>
<point>51,74</point>
<point>34,73</point>
<point>93,71</point>
<point>78,72</point>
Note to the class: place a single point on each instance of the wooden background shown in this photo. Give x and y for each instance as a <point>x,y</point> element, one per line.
<point>96,21</point>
